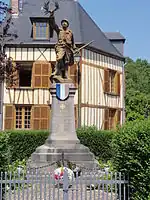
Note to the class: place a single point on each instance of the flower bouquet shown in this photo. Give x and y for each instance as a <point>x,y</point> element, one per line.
<point>59,175</point>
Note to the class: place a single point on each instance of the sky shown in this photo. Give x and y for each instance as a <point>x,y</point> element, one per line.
<point>129,17</point>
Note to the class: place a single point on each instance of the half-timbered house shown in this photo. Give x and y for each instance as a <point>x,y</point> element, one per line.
<point>99,99</point>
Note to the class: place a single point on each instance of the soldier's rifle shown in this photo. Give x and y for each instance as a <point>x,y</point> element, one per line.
<point>79,49</point>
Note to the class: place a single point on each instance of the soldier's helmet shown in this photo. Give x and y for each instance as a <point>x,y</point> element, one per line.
<point>64,20</point>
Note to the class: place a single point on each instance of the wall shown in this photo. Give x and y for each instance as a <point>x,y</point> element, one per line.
<point>94,100</point>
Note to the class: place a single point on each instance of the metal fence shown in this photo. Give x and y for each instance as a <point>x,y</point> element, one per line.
<point>87,186</point>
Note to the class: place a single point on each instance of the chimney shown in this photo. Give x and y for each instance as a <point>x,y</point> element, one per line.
<point>15,8</point>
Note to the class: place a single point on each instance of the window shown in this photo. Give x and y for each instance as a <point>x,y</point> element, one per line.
<point>23,117</point>
<point>111,82</point>
<point>41,30</point>
<point>25,75</point>
<point>111,118</point>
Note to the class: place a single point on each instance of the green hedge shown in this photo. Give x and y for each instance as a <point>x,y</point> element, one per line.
<point>23,143</point>
<point>98,141</point>
<point>20,145</point>
<point>131,146</point>
<point>4,151</point>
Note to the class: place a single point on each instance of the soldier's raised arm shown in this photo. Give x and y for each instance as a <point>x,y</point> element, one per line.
<point>53,24</point>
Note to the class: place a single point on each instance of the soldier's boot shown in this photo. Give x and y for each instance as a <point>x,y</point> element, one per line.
<point>66,75</point>
<point>57,70</point>
<point>66,72</point>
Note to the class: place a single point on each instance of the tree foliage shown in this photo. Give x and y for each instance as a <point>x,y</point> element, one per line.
<point>131,146</point>
<point>8,68</point>
<point>137,89</point>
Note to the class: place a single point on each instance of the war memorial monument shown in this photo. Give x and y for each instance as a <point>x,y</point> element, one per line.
<point>63,138</point>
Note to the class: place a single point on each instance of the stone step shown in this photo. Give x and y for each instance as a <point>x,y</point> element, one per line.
<point>46,149</point>
<point>52,157</point>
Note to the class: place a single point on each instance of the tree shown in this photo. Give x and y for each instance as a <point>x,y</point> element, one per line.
<point>7,67</point>
<point>137,89</point>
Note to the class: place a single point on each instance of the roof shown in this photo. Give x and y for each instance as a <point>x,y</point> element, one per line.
<point>83,27</point>
<point>114,36</point>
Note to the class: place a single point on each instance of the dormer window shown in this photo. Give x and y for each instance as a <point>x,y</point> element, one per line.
<point>40,28</point>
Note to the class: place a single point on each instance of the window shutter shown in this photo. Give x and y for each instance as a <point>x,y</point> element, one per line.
<point>106,80</point>
<point>118,80</point>
<point>45,111</point>
<point>46,72</point>
<point>36,75</point>
<point>9,117</point>
<point>76,115</point>
<point>117,83</point>
<point>106,119</point>
<point>40,75</point>
<point>40,117</point>
<point>117,118</point>
<point>74,74</point>
<point>36,117</point>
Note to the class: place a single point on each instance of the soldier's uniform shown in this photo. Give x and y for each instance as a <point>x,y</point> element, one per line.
<point>65,45</point>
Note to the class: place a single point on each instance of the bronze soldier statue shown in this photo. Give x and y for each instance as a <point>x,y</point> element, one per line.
<point>64,48</point>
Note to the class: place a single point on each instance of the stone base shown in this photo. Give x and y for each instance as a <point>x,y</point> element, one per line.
<point>59,79</point>
<point>63,137</point>
<point>79,155</point>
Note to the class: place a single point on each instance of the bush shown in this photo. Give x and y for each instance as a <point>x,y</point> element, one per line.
<point>98,141</point>
<point>131,146</point>
<point>23,143</point>
<point>19,145</point>
<point>4,151</point>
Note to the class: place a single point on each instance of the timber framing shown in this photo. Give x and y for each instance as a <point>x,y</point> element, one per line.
<point>100,107</point>
<point>98,66</point>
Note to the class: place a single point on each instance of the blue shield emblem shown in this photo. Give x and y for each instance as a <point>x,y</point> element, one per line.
<point>62,91</point>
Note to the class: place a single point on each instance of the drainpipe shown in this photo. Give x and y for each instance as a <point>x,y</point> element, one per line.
<point>2,86</point>
<point>79,96</point>
<point>123,92</point>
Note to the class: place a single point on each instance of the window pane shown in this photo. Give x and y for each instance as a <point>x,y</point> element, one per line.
<point>18,118</point>
<point>23,117</point>
<point>41,28</point>
<point>27,118</point>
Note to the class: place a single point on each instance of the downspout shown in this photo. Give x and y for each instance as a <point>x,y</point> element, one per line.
<point>79,90</point>
<point>2,87</point>
<point>123,93</point>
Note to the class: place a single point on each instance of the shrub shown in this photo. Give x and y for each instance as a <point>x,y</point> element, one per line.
<point>131,146</point>
<point>98,141</point>
<point>5,154</point>
<point>19,145</point>
<point>24,143</point>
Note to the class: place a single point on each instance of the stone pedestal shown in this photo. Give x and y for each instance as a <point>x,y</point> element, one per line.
<point>63,137</point>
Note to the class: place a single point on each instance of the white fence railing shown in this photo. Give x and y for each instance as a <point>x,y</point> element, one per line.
<point>87,186</point>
